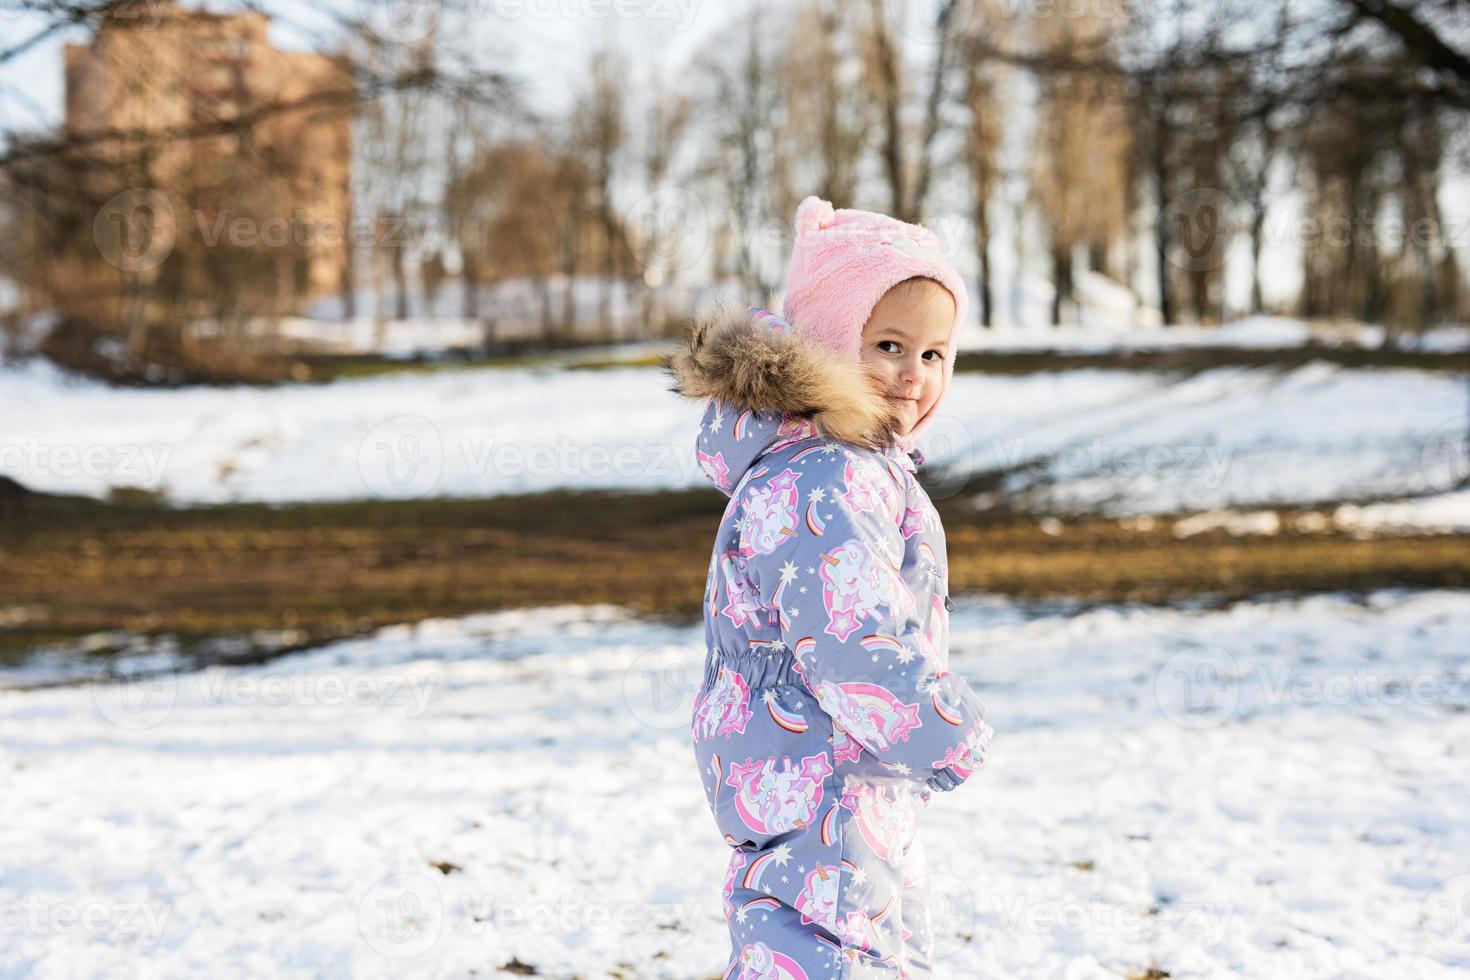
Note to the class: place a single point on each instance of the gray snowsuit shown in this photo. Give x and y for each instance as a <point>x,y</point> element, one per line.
<point>826,717</point>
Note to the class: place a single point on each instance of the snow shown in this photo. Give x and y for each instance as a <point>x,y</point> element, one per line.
<point>1269,790</point>
<point>1120,442</point>
<point>1118,333</point>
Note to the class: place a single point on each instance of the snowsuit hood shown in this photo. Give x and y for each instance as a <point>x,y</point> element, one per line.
<point>768,386</point>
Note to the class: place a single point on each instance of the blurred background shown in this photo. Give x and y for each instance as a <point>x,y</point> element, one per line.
<point>342,496</point>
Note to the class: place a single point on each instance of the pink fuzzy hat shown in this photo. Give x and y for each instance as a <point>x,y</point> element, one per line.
<point>843,262</point>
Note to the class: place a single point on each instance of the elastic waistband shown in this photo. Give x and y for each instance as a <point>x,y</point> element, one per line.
<point>761,667</point>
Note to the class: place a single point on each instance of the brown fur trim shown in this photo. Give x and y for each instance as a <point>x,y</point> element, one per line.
<point>726,355</point>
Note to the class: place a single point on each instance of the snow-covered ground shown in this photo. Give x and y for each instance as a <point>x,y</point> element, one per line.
<point>1273,790</point>
<point>1122,442</point>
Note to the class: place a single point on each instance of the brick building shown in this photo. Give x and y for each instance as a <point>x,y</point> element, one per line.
<point>160,69</point>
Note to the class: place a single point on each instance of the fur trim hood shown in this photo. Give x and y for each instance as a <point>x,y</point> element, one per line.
<point>774,386</point>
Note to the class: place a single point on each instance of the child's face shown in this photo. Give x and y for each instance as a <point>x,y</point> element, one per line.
<point>905,342</point>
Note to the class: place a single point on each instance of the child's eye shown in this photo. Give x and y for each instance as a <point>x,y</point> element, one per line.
<point>937,354</point>
<point>882,342</point>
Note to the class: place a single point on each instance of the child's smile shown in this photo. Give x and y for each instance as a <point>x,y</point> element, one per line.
<point>904,343</point>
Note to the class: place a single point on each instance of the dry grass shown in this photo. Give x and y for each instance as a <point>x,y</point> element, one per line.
<point>72,566</point>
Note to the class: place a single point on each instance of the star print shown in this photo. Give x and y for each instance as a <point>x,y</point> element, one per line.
<point>740,916</point>
<point>788,572</point>
<point>810,570</point>
<point>782,854</point>
<point>906,656</point>
<point>816,495</point>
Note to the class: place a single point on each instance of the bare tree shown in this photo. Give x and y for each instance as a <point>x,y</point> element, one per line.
<point>1081,147</point>
<point>599,131</point>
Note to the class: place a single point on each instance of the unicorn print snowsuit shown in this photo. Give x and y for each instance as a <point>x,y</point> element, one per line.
<point>826,717</point>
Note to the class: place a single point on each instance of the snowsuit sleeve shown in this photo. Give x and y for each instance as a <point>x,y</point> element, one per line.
<point>831,579</point>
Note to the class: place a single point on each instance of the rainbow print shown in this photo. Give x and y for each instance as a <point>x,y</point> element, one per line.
<point>829,827</point>
<point>761,903</point>
<point>742,424</point>
<point>789,720</point>
<point>798,457</point>
<point>752,879</point>
<point>946,712</point>
<point>877,641</point>
<point>814,522</point>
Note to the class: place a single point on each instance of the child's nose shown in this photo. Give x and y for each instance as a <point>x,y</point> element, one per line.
<point>908,374</point>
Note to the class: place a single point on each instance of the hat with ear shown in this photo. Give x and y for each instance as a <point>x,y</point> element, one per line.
<point>842,263</point>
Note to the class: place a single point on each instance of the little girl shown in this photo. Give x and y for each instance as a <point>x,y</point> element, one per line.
<point>826,717</point>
